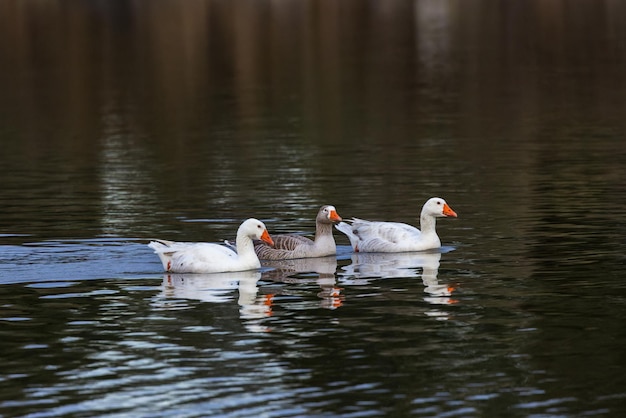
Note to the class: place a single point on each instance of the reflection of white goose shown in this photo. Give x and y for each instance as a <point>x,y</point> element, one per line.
<point>305,270</point>
<point>219,288</point>
<point>390,265</point>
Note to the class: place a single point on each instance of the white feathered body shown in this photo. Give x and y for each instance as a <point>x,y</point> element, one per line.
<point>387,237</point>
<point>187,257</point>
<point>391,237</point>
<point>191,257</point>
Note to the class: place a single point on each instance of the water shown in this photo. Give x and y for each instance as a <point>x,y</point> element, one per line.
<point>124,121</point>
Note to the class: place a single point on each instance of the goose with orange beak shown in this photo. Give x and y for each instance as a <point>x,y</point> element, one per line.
<point>200,257</point>
<point>393,237</point>
<point>289,246</point>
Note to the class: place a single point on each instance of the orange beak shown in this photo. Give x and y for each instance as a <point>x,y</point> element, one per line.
<point>447,211</point>
<point>266,237</point>
<point>334,216</point>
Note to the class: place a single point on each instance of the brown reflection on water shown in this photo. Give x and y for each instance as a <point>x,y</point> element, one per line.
<point>376,93</point>
<point>165,63</point>
<point>179,118</point>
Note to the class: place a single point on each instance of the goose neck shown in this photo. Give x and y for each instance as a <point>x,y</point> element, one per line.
<point>244,244</point>
<point>427,223</point>
<point>323,229</point>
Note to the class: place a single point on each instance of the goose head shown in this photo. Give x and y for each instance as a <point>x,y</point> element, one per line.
<point>438,208</point>
<point>328,214</point>
<point>255,229</point>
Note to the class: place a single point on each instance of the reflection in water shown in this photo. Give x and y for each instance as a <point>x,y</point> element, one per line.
<point>320,270</point>
<point>433,36</point>
<point>367,266</point>
<point>124,188</point>
<point>218,288</point>
<point>125,118</point>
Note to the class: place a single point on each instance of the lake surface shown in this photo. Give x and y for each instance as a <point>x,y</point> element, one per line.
<point>125,121</point>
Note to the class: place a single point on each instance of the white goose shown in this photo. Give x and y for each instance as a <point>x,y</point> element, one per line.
<point>295,246</point>
<point>392,237</point>
<point>185,257</point>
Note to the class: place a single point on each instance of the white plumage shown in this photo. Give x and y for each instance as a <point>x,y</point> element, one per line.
<point>185,257</point>
<point>389,237</point>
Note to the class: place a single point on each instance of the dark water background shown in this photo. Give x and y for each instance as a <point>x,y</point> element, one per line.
<point>123,121</point>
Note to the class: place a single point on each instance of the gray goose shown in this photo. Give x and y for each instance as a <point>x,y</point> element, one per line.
<point>295,246</point>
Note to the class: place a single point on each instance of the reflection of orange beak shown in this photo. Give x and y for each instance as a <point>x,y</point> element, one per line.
<point>447,211</point>
<point>269,301</point>
<point>266,237</point>
<point>334,216</point>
